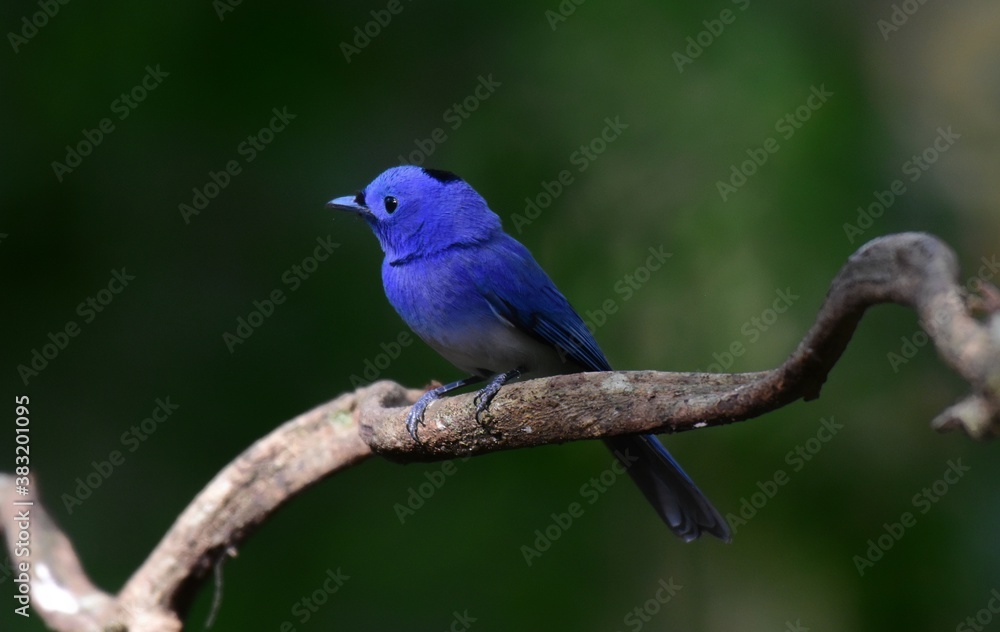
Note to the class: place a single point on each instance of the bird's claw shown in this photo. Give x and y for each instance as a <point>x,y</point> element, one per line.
<point>482,402</point>
<point>488,392</point>
<point>415,418</point>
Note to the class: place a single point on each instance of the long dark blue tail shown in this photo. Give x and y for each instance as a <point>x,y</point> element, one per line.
<point>671,492</point>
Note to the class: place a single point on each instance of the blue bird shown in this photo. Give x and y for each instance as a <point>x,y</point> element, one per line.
<point>476,296</point>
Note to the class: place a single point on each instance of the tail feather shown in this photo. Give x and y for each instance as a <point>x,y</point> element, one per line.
<point>672,493</point>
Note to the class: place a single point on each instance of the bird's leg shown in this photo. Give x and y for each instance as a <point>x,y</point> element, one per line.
<point>416,415</point>
<point>488,392</point>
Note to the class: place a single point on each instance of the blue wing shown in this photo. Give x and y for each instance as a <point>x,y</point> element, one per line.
<point>526,297</point>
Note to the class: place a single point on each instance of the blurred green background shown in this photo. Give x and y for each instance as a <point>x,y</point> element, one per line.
<point>894,75</point>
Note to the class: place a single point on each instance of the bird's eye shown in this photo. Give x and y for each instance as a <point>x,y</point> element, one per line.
<point>390,203</point>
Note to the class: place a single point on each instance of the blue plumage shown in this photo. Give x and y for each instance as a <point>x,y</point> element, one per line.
<point>478,297</point>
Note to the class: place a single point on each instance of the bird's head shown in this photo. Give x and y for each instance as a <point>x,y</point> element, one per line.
<point>417,211</point>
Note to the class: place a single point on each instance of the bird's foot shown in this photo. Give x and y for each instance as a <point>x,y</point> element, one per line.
<point>415,417</point>
<point>485,396</point>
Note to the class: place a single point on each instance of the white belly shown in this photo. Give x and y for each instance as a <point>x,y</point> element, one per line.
<point>498,348</point>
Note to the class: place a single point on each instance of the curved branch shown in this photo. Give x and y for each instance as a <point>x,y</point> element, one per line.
<point>271,472</point>
<point>911,269</point>
<point>268,474</point>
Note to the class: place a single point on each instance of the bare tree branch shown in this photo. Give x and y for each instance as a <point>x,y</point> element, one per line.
<point>911,269</point>
<point>268,474</point>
